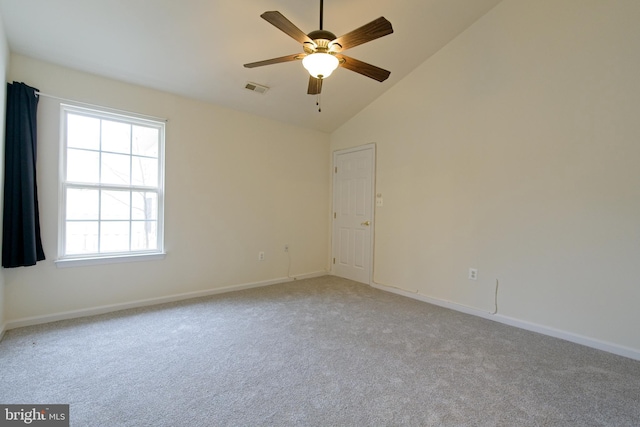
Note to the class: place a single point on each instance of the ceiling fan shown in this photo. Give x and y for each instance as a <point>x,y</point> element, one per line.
<point>322,49</point>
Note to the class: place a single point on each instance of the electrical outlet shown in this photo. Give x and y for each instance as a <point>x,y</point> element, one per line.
<point>286,247</point>
<point>260,256</point>
<point>473,274</point>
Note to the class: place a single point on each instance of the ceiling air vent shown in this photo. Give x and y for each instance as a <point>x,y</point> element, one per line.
<point>255,87</point>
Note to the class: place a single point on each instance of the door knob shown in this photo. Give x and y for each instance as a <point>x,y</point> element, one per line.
<point>367,223</point>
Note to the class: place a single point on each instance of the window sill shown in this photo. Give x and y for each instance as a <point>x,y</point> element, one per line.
<point>116,259</point>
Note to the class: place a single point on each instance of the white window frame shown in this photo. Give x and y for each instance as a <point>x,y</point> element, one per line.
<point>65,260</point>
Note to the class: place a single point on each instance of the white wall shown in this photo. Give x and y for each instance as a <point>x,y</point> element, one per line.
<point>4,65</point>
<point>515,150</point>
<point>236,184</point>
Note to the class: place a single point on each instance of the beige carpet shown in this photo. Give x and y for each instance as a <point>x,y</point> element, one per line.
<point>317,352</point>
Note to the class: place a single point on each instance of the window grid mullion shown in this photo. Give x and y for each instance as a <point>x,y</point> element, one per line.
<point>100,192</point>
<point>130,184</point>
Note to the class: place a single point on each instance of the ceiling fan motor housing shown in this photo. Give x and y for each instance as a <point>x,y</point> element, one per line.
<point>321,38</point>
<point>322,34</point>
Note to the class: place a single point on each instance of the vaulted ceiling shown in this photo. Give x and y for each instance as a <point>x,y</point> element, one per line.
<point>197,48</point>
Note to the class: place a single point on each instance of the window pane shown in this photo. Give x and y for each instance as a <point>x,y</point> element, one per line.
<point>145,171</point>
<point>145,141</point>
<point>115,205</point>
<point>82,204</point>
<point>83,132</point>
<point>81,237</point>
<point>115,169</point>
<point>114,236</point>
<point>116,137</point>
<point>82,165</point>
<point>145,206</point>
<point>144,235</point>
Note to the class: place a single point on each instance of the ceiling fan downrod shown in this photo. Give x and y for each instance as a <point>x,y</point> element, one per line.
<point>321,12</point>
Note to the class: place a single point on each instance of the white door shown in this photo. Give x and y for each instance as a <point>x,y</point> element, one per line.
<point>353,178</point>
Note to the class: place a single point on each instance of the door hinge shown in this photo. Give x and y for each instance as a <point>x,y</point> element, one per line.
<point>334,215</point>
<point>334,260</point>
<point>336,169</point>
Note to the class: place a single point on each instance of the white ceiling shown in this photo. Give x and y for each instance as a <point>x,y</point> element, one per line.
<point>197,48</point>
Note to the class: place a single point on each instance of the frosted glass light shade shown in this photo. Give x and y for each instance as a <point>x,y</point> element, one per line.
<point>320,64</point>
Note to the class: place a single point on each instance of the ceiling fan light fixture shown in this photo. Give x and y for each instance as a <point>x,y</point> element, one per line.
<point>320,65</point>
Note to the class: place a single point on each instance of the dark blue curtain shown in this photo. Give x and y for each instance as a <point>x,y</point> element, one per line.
<point>21,244</point>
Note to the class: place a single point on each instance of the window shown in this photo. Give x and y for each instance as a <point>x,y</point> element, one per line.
<point>112,174</point>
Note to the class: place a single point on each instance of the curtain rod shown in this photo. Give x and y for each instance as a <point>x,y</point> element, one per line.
<point>46,95</point>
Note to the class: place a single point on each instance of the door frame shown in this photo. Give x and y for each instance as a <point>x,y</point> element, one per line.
<point>336,153</point>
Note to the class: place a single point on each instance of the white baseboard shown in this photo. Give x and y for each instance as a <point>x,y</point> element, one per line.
<point>3,328</point>
<point>37,320</point>
<point>631,353</point>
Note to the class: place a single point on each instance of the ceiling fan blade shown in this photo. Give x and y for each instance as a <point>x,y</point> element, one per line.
<point>287,58</point>
<point>315,86</point>
<point>278,20</point>
<point>363,68</point>
<point>371,31</point>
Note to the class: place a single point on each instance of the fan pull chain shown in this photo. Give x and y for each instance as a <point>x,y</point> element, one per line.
<point>319,104</point>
